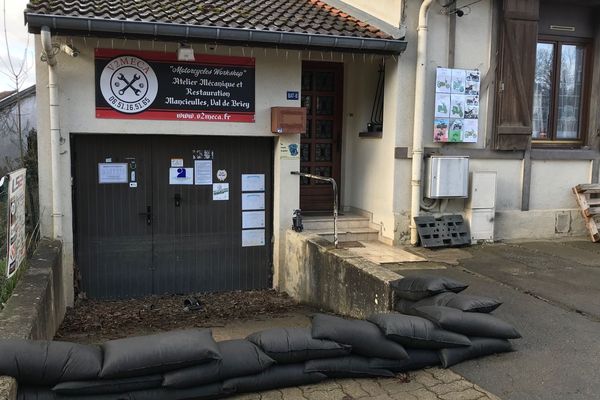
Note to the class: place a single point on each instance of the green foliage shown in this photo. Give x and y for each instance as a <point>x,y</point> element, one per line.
<point>8,285</point>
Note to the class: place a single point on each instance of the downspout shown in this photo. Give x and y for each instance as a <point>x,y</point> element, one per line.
<point>419,118</point>
<point>49,56</point>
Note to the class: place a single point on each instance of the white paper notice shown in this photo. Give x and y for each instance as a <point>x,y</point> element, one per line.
<point>220,191</point>
<point>253,237</point>
<point>203,172</point>
<point>253,182</point>
<point>181,176</point>
<point>112,173</point>
<point>253,219</point>
<point>253,201</point>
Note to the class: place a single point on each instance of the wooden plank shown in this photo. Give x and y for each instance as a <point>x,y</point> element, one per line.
<point>593,202</point>
<point>588,188</point>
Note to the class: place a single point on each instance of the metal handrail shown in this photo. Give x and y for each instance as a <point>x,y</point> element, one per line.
<point>335,199</point>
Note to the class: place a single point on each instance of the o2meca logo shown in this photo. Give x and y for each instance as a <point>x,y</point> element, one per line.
<point>128,84</point>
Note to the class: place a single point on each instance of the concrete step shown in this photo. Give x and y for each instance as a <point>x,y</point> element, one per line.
<point>344,222</point>
<point>349,234</point>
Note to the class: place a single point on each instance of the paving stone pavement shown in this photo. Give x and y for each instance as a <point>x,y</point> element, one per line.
<point>428,384</point>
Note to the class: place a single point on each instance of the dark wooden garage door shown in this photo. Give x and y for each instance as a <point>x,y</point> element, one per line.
<point>157,237</point>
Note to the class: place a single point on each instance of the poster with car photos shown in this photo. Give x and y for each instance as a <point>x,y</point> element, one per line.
<point>456,105</point>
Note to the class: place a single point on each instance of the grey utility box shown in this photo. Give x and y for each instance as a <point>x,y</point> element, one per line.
<point>447,177</point>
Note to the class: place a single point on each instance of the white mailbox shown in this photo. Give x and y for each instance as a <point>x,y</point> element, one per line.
<point>447,177</point>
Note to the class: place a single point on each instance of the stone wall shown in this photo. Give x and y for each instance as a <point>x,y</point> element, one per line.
<point>36,307</point>
<point>335,280</point>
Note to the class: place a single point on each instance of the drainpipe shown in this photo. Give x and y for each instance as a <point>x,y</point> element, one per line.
<point>49,56</point>
<point>419,119</point>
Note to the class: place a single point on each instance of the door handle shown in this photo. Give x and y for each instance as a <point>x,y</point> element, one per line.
<point>177,200</point>
<point>148,215</point>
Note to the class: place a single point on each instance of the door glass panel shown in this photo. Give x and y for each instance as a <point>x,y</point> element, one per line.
<point>323,152</point>
<point>325,105</point>
<point>323,171</point>
<point>307,78</point>
<point>569,92</point>
<point>542,97</point>
<point>324,129</point>
<point>303,180</point>
<point>324,81</point>
<point>305,152</point>
<point>307,102</point>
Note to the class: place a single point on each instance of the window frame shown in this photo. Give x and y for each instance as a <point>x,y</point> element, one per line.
<point>558,41</point>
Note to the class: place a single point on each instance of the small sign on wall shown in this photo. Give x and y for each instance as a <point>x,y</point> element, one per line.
<point>181,176</point>
<point>112,173</point>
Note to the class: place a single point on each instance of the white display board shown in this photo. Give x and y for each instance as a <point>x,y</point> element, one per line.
<point>456,105</point>
<point>16,243</point>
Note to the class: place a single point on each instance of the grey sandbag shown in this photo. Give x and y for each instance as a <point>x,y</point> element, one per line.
<point>365,338</point>
<point>103,386</point>
<point>417,359</point>
<point>479,347</point>
<point>416,332</point>
<point>35,393</point>
<point>46,363</point>
<point>460,301</point>
<point>468,323</point>
<point>294,345</point>
<point>418,287</point>
<point>239,358</point>
<point>278,376</point>
<point>146,355</point>
<point>352,367</point>
<point>404,306</point>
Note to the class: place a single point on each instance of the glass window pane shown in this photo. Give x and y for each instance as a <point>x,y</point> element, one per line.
<point>322,171</point>
<point>307,78</point>
<point>542,96</point>
<point>569,91</point>
<point>325,105</point>
<point>324,129</point>
<point>305,152</point>
<point>307,102</point>
<point>308,132</point>
<point>323,152</point>
<point>324,81</point>
<point>303,180</point>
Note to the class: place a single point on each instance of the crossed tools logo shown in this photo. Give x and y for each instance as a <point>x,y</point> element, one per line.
<point>128,84</point>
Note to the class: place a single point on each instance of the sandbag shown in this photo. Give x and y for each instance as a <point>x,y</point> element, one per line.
<point>418,287</point>
<point>417,359</point>
<point>352,367</point>
<point>295,345</point>
<point>239,358</point>
<point>365,338</point>
<point>146,355</point>
<point>46,363</point>
<point>460,301</point>
<point>278,376</point>
<point>405,306</point>
<point>479,347</point>
<point>103,386</point>
<point>416,332</point>
<point>207,392</point>
<point>468,323</point>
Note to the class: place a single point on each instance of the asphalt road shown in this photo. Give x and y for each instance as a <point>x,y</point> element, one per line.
<point>551,293</point>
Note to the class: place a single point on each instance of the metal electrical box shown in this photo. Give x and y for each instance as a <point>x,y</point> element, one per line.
<point>481,208</point>
<point>447,177</point>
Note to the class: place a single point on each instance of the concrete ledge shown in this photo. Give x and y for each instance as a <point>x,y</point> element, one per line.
<point>334,279</point>
<point>36,307</point>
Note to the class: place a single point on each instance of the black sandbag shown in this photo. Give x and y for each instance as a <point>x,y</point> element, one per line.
<point>352,367</point>
<point>35,393</point>
<point>418,287</point>
<point>405,306</point>
<point>416,332</point>
<point>365,337</point>
<point>103,386</point>
<point>479,347</point>
<point>239,358</point>
<point>294,345</point>
<point>460,301</point>
<point>46,363</point>
<point>417,359</point>
<point>146,355</point>
<point>278,376</point>
<point>468,323</point>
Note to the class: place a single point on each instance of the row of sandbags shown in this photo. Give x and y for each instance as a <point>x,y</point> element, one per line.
<point>191,365</point>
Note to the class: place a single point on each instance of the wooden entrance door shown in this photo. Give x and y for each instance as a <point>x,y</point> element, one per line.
<point>321,144</point>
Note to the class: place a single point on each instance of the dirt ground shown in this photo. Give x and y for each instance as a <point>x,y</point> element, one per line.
<point>92,321</point>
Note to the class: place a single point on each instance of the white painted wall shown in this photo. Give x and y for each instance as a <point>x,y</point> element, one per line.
<point>385,10</point>
<point>9,133</point>
<point>276,73</point>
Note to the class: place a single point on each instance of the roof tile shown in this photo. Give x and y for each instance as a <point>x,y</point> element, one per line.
<point>301,16</point>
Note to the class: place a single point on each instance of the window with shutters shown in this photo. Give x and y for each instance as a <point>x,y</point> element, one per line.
<point>560,98</point>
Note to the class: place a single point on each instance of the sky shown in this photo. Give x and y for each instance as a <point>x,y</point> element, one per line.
<point>18,46</point>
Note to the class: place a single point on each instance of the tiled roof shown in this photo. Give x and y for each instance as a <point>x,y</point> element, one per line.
<point>291,16</point>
